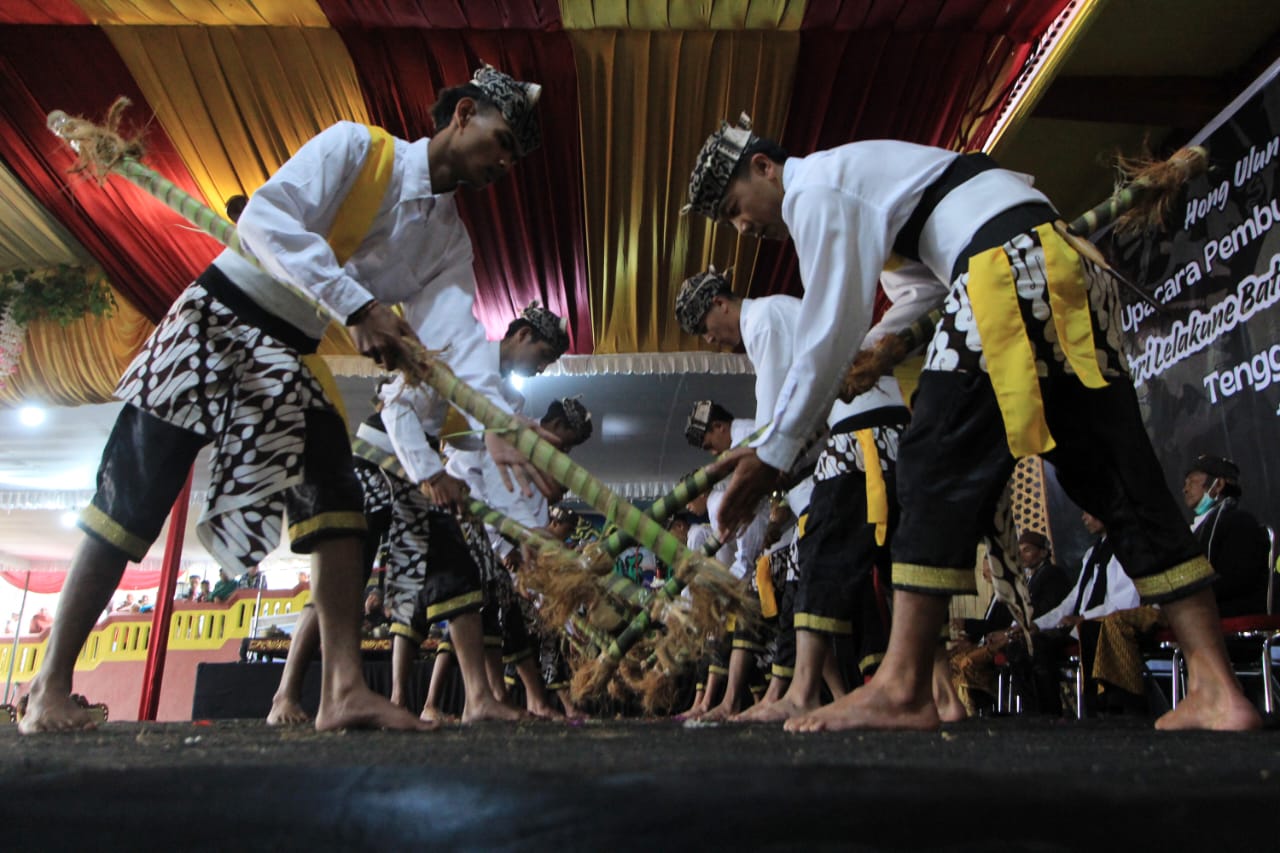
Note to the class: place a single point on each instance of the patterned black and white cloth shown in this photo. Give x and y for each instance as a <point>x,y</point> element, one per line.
<point>843,453</point>
<point>956,344</point>
<point>205,371</point>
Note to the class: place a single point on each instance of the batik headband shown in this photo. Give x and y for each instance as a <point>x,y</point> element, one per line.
<point>516,101</point>
<point>549,326</point>
<point>696,295</point>
<point>715,164</point>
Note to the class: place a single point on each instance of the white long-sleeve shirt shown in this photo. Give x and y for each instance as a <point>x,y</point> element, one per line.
<point>844,208</point>
<point>417,251</point>
<point>1121,595</point>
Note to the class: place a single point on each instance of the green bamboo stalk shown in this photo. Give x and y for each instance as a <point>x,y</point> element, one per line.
<point>178,200</point>
<point>690,487</point>
<point>1123,200</point>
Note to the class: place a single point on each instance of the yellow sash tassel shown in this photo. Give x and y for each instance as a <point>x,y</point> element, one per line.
<point>764,584</point>
<point>1011,361</point>
<point>877,495</point>
<point>1069,302</point>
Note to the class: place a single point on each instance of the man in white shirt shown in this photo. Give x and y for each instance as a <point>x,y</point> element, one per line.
<point>1029,341</point>
<point>358,220</point>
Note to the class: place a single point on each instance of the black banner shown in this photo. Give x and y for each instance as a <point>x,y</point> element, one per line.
<point>1206,357</point>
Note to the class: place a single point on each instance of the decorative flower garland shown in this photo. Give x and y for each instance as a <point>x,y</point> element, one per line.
<point>62,294</point>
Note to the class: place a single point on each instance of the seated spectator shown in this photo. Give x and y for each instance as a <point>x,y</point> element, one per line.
<point>11,625</point>
<point>224,587</point>
<point>203,594</point>
<point>304,579</point>
<point>974,667</point>
<point>128,605</point>
<point>40,622</point>
<point>376,619</point>
<point>191,591</point>
<point>1102,588</point>
<point>252,579</point>
<point>1238,550</point>
<point>144,605</point>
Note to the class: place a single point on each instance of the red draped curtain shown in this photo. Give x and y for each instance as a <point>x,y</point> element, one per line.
<point>528,229</point>
<point>897,69</point>
<point>47,582</point>
<point>148,252</point>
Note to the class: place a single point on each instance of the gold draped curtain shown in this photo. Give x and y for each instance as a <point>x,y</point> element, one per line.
<point>682,15</point>
<point>207,13</point>
<point>641,141</point>
<point>29,235</point>
<point>79,363</point>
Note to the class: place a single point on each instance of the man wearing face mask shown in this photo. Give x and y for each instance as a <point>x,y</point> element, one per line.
<point>1234,540</point>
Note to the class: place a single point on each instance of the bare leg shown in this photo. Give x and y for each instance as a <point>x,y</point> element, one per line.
<point>1214,699</point>
<point>950,708</point>
<point>286,705</point>
<point>536,700</point>
<point>715,681</point>
<point>468,643</point>
<point>900,695</point>
<point>431,711</point>
<point>777,687</point>
<point>697,701</point>
<point>345,700</point>
<point>833,675</point>
<point>95,573</point>
<point>735,687</point>
<point>804,694</point>
<point>571,711</point>
<point>494,673</point>
<point>403,653</point>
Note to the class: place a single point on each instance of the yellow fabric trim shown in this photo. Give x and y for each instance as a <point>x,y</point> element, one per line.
<point>353,521</point>
<point>445,647</point>
<point>1175,579</point>
<point>517,657</point>
<point>783,671</point>
<point>405,631</point>
<point>822,624</point>
<point>355,215</point>
<point>492,642</point>
<point>934,579</point>
<point>764,585</point>
<point>1011,361</point>
<point>801,523</point>
<point>877,496</point>
<point>320,370</point>
<point>731,623</point>
<point>748,647</point>
<point>717,670</point>
<point>870,661</point>
<point>134,546</point>
<point>454,604</point>
<point>1069,302</point>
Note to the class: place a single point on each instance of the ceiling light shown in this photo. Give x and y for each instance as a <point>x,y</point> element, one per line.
<point>31,416</point>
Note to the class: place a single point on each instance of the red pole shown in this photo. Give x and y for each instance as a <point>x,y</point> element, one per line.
<point>153,674</point>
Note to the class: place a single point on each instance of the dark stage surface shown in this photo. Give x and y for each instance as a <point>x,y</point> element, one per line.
<point>1004,784</point>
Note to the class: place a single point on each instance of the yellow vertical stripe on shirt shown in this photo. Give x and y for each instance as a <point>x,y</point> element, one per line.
<point>877,495</point>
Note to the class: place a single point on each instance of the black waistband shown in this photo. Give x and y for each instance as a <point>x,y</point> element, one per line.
<point>1002,228</point>
<point>250,313</point>
<point>961,169</point>
<point>885,416</point>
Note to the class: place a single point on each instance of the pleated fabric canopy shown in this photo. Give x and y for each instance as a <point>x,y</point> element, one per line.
<point>589,225</point>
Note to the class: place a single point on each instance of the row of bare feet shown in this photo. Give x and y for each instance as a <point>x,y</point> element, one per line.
<point>285,711</point>
<point>881,706</point>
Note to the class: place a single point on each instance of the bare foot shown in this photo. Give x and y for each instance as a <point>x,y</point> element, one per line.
<point>775,712</point>
<point>720,713</point>
<point>869,707</point>
<point>286,712</point>
<point>361,708</point>
<point>1229,712</point>
<point>947,701</point>
<point>437,717</point>
<point>40,711</point>
<point>489,708</point>
<point>544,711</point>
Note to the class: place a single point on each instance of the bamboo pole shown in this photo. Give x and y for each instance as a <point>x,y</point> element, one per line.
<point>101,150</point>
